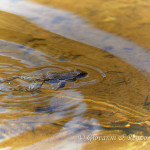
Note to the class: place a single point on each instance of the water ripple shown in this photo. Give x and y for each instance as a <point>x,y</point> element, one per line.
<point>60,22</point>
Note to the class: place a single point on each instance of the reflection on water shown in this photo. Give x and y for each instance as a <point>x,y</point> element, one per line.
<point>25,112</point>
<point>113,99</point>
<point>61,22</point>
<point>26,55</point>
<point>59,116</point>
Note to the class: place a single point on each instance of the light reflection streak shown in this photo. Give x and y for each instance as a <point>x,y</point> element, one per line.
<point>74,27</point>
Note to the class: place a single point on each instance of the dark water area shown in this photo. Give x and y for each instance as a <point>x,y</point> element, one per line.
<point>67,85</point>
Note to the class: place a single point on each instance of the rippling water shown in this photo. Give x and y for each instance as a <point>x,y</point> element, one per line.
<point>60,22</point>
<point>113,99</point>
<point>20,110</point>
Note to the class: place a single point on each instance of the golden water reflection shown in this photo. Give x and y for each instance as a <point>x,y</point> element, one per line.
<point>115,106</point>
<point>129,19</point>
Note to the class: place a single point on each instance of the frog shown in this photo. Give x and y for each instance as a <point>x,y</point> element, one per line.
<point>60,80</point>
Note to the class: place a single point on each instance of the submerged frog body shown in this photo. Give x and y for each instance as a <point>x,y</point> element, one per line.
<point>60,79</point>
<point>63,78</point>
<point>76,74</point>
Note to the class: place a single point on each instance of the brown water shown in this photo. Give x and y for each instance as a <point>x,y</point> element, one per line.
<point>107,109</point>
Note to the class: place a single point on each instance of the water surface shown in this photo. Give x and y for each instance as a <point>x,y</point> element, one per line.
<point>74,27</point>
<point>112,100</point>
